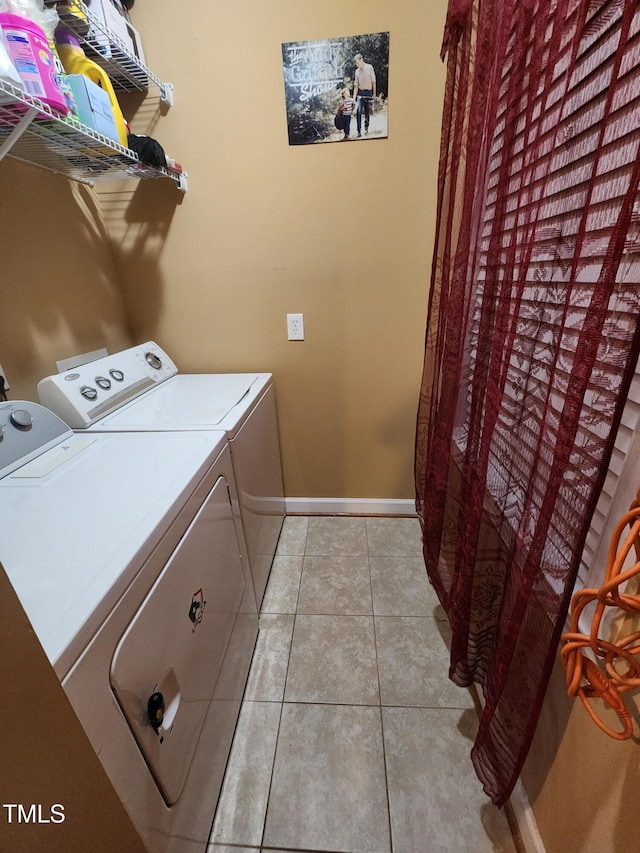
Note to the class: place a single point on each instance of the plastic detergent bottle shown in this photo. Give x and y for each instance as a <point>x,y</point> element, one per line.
<point>65,88</point>
<point>29,52</point>
<point>75,61</point>
<point>74,7</point>
<point>8,73</point>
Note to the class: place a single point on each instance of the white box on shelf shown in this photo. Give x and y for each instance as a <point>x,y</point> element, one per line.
<point>109,13</point>
<point>94,106</point>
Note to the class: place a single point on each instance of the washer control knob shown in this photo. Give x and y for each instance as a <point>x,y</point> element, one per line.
<point>153,360</point>
<point>88,392</point>
<point>155,710</point>
<point>21,419</point>
<point>118,375</point>
<point>103,382</point>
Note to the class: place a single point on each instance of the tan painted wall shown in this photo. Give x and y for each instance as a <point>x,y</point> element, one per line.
<point>340,232</point>
<point>582,785</point>
<point>59,288</point>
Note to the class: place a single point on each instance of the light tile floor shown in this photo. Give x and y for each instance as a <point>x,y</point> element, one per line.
<point>351,737</point>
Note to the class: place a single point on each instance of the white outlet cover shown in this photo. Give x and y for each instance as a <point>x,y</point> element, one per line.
<point>295,327</point>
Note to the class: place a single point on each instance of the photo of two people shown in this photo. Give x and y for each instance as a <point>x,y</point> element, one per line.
<point>336,90</point>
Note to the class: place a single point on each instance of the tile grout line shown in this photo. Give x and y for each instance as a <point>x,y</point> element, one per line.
<point>284,690</point>
<point>273,764</point>
<point>375,643</point>
<point>399,705</point>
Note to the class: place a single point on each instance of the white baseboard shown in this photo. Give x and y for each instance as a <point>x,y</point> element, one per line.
<point>525,818</point>
<point>349,506</point>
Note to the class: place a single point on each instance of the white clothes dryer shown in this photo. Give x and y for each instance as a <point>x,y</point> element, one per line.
<point>124,551</point>
<point>140,389</point>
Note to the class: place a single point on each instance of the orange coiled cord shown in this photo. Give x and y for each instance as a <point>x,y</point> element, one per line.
<point>584,677</point>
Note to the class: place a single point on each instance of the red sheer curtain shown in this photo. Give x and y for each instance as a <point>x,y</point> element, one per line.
<point>532,335</point>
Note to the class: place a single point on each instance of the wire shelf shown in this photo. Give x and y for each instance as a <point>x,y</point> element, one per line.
<point>31,131</point>
<point>126,70</point>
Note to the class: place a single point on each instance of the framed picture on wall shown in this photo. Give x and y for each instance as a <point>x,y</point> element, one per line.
<point>337,90</point>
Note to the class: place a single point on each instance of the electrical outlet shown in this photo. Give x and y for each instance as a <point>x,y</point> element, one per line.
<point>295,327</point>
<point>6,381</point>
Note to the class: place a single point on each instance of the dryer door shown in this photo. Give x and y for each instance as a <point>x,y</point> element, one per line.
<point>173,649</point>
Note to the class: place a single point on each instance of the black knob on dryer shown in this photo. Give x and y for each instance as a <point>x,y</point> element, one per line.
<point>155,710</point>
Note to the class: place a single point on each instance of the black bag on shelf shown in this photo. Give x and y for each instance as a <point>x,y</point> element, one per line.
<point>150,152</point>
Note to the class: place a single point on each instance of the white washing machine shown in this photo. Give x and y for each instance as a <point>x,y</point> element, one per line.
<point>124,551</point>
<point>140,389</point>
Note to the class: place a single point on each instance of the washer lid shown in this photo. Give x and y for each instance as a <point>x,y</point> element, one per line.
<point>191,401</point>
<point>75,532</point>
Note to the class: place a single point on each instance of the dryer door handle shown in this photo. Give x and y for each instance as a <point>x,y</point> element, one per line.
<point>155,710</point>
